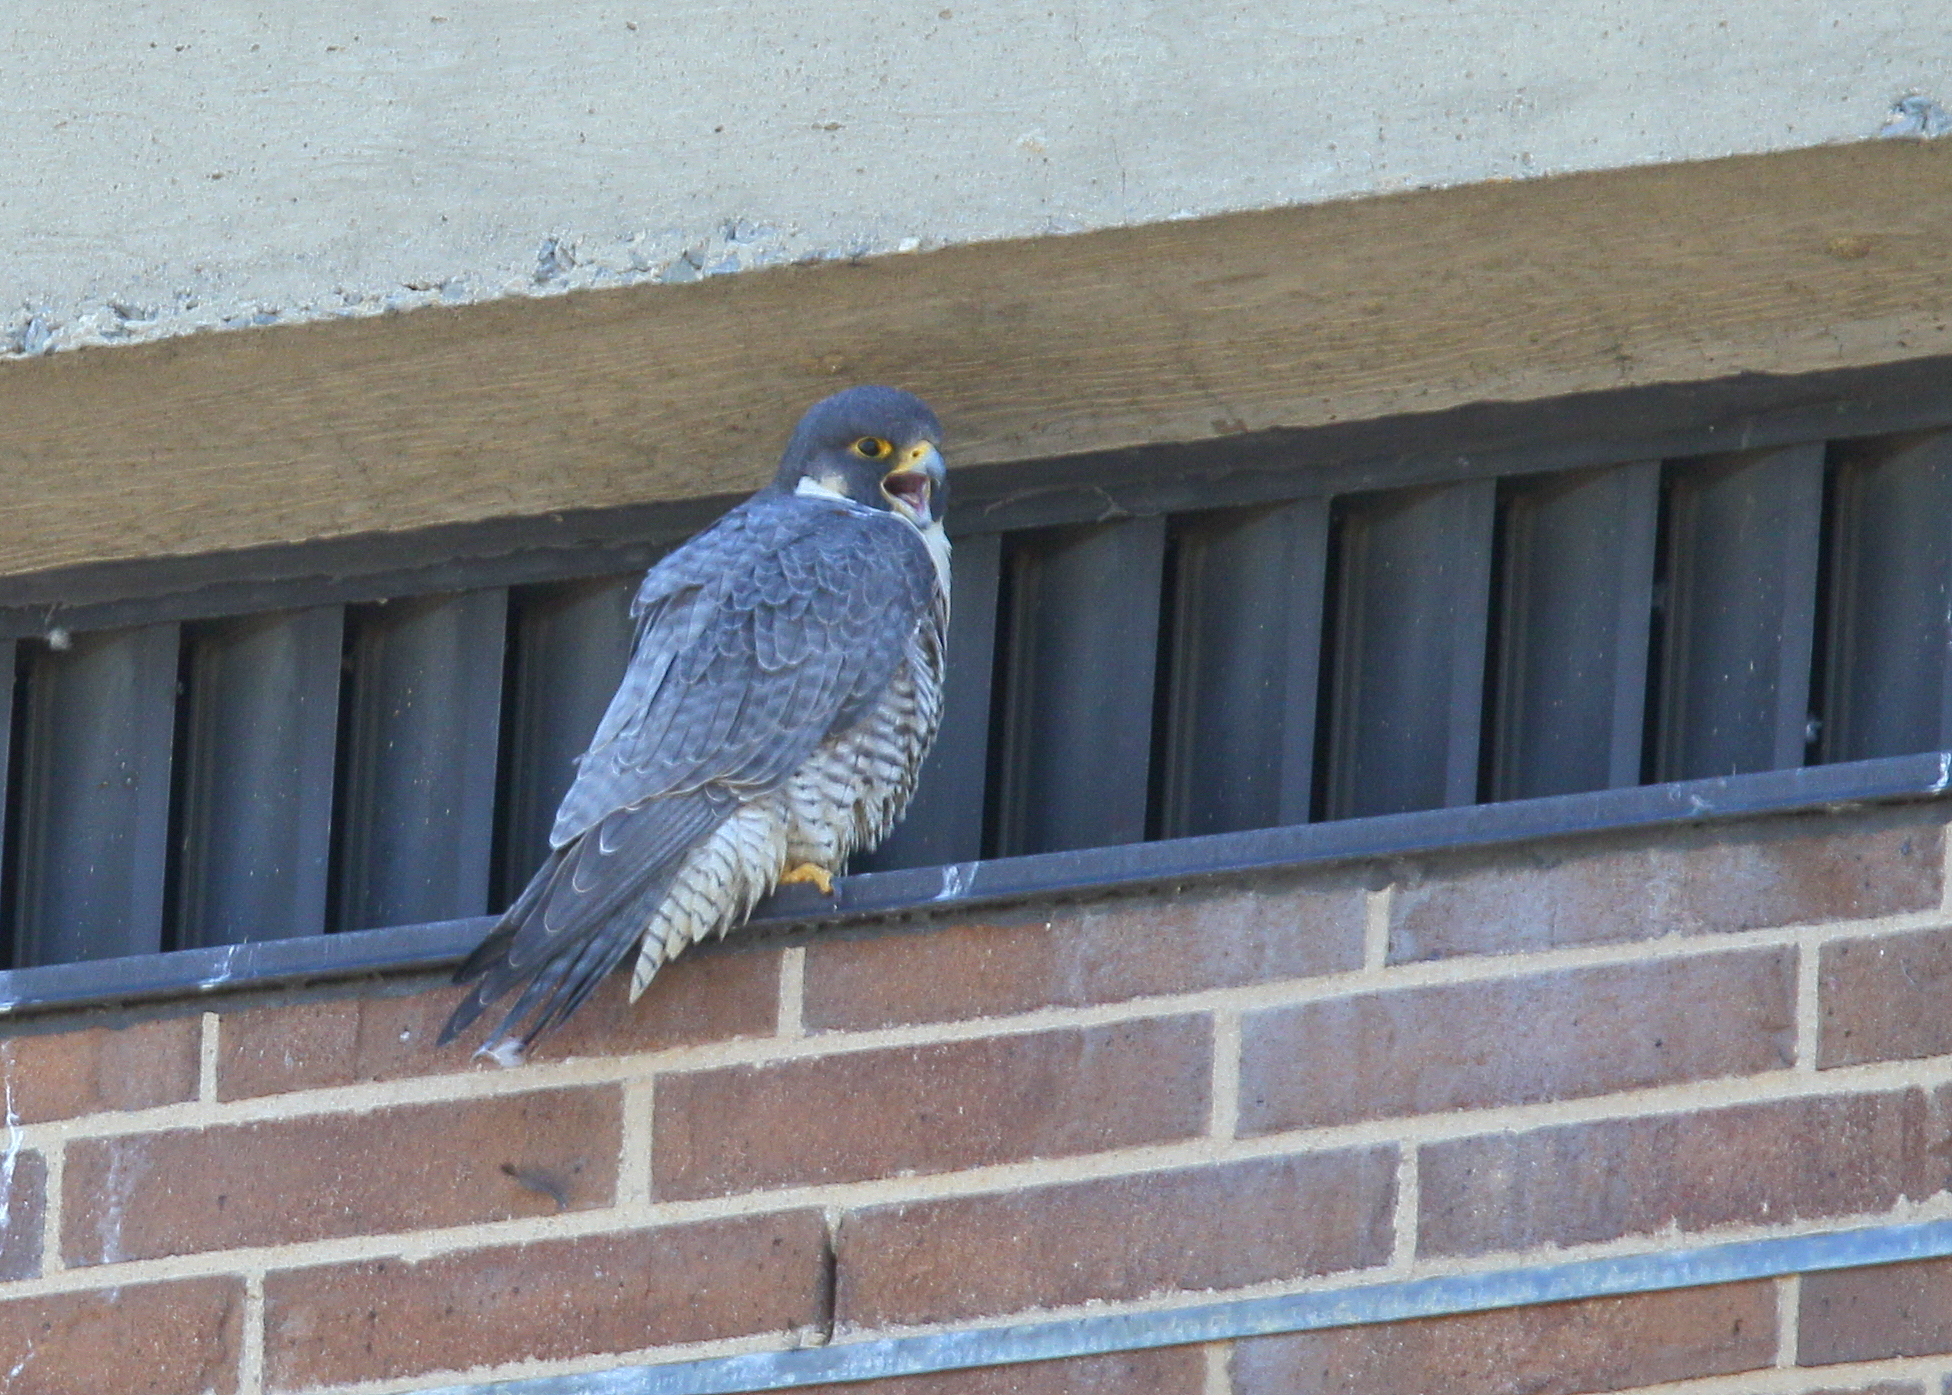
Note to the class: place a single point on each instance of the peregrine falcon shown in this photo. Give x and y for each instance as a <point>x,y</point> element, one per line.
<point>784,685</point>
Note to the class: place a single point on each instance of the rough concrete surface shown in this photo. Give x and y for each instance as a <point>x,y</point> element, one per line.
<point>175,165</point>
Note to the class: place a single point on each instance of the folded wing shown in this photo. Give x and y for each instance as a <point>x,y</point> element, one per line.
<point>767,634</point>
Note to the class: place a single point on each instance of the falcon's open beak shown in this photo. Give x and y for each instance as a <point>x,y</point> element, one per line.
<point>916,484</point>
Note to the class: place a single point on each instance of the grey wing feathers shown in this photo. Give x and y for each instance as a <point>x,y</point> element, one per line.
<point>760,637</point>
<point>578,916</point>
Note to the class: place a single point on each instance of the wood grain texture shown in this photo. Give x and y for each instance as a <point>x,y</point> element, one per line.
<point>1789,263</point>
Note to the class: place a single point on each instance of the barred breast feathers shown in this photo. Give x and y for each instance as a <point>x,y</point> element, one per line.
<point>843,799</point>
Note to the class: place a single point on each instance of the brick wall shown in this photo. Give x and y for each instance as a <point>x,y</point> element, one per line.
<point>1352,1074</point>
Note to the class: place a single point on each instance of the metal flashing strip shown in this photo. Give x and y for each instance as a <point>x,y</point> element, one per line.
<point>1176,861</point>
<point>960,887</point>
<point>1444,1296</point>
<point>193,973</point>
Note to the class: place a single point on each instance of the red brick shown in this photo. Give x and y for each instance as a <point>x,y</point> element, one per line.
<point>1869,1314</point>
<point>1780,872</point>
<point>1884,998</point>
<point>1165,1371</point>
<point>1110,952</point>
<point>548,1300</point>
<point>1560,1035</point>
<point>24,1179</point>
<point>345,1041</point>
<point>145,1339</point>
<point>1553,1349</point>
<point>1774,1162</point>
<point>61,1075</point>
<point>1192,1229</point>
<point>931,1108</point>
<point>409,1167</point>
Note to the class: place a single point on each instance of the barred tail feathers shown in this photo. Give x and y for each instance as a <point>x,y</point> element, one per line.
<point>580,915</point>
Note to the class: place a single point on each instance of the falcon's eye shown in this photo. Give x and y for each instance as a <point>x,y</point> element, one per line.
<point>871,448</point>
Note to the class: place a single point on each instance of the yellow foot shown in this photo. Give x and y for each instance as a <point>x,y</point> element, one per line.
<point>809,872</point>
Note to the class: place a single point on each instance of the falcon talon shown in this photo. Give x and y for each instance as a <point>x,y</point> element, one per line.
<point>506,1054</point>
<point>810,872</point>
<point>783,689</point>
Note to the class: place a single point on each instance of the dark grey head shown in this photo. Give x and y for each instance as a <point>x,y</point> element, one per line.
<point>878,446</point>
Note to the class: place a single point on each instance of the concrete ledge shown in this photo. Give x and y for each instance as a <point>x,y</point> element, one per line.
<point>346,158</point>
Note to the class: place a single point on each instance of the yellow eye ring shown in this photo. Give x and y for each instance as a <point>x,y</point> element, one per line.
<point>871,448</point>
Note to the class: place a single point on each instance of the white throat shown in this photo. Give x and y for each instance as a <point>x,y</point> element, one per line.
<point>938,546</point>
<point>812,488</point>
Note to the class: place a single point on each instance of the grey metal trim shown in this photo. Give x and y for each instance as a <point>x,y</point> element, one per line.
<point>1251,1317</point>
<point>1088,871</point>
<point>190,974</point>
<point>406,949</point>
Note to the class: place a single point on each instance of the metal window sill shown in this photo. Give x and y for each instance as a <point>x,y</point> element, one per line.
<point>194,975</point>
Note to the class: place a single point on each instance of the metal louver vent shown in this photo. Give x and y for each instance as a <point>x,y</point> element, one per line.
<point>1321,642</point>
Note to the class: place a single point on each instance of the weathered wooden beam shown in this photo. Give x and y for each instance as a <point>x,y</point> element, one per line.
<point>1789,263</point>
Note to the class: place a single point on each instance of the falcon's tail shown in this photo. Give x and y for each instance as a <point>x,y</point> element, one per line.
<point>580,914</point>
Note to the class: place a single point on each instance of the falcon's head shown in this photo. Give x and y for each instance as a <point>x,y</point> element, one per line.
<point>877,446</point>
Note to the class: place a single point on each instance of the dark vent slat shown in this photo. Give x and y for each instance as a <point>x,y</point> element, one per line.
<point>1411,621</point>
<point>1084,634</point>
<point>1574,619</point>
<point>420,782</point>
<point>945,819</point>
<point>95,797</point>
<point>1247,634</point>
<point>10,704</point>
<point>261,736</point>
<point>1741,612</point>
<point>1890,689</point>
<point>571,645</point>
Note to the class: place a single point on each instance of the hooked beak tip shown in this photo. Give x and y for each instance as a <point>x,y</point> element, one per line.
<point>917,483</point>
<point>914,491</point>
